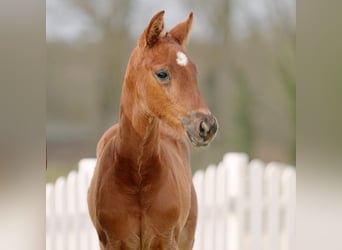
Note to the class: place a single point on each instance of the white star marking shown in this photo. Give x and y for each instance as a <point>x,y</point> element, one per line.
<point>182,59</point>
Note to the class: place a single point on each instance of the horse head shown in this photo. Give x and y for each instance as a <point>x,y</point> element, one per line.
<point>164,78</point>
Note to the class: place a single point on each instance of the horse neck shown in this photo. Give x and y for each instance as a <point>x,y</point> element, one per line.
<point>138,130</point>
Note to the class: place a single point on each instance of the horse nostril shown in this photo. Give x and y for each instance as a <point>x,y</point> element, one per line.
<point>213,128</point>
<point>203,129</point>
<point>207,127</point>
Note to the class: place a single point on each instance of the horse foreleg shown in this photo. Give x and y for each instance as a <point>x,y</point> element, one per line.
<point>188,233</point>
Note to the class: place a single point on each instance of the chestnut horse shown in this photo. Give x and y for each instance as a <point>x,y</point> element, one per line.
<point>141,195</point>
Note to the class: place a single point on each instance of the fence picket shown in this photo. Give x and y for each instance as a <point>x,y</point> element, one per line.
<point>209,212</point>
<point>221,207</point>
<point>289,189</point>
<point>87,167</point>
<point>50,215</point>
<point>256,202</point>
<point>232,200</point>
<point>86,170</point>
<point>72,210</point>
<point>272,175</point>
<point>60,212</point>
<point>236,164</point>
<point>199,235</point>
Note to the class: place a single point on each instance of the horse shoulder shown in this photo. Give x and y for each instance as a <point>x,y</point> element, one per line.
<point>106,137</point>
<point>176,158</point>
<point>95,184</point>
<point>108,206</point>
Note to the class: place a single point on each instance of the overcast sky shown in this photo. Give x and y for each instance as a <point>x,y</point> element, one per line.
<point>65,22</point>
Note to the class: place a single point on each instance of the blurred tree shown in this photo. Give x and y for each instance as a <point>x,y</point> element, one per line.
<point>265,37</point>
<point>284,29</point>
<point>110,17</point>
<point>243,114</point>
<point>247,78</point>
<point>288,80</point>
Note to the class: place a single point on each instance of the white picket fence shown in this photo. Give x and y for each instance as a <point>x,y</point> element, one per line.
<point>242,206</point>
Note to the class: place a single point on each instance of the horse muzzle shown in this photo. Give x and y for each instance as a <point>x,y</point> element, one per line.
<point>201,128</point>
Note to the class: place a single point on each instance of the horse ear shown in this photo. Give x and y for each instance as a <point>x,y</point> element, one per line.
<point>180,31</point>
<point>153,30</point>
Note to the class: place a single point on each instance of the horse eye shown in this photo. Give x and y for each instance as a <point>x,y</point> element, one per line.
<point>163,75</point>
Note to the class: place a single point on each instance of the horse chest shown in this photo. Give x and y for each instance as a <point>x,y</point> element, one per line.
<point>160,205</point>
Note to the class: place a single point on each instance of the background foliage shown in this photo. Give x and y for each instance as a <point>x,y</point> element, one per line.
<point>244,51</point>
